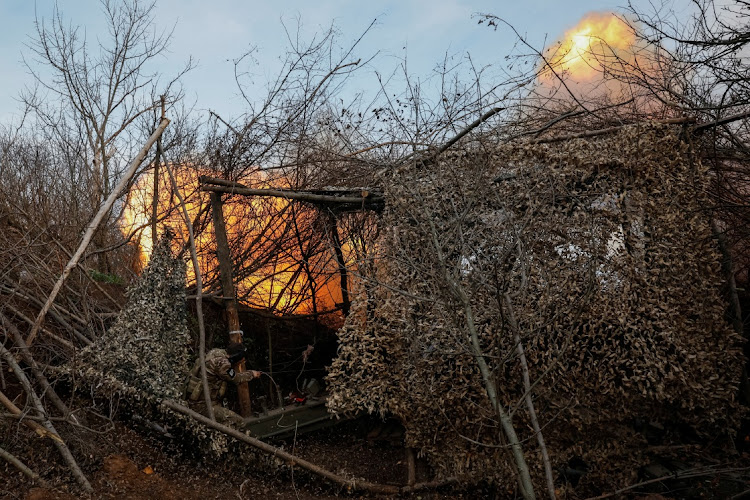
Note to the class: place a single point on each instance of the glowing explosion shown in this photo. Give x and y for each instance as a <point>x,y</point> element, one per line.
<point>593,43</point>
<point>275,281</point>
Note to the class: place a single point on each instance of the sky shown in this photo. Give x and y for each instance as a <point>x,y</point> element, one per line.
<point>217,32</point>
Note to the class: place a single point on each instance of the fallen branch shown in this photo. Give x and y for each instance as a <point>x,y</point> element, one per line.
<point>37,402</point>
<point>689,474</point>
<point>717,123</point>
<point>465,131</point>
<point>30,423</point>
<point>429,159</point>
<point>349,483</point>
<point>67,252</point>
<point>34,418</point>
<point>94,225</point>
<point>47,389</point>
<point>23,468</point>
<point>565,116</point>
<point>56,311</point>
<point>45,331</point>
<point>609,130</point>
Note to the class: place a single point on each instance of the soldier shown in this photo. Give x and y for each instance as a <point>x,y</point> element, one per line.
<point>219,371</point>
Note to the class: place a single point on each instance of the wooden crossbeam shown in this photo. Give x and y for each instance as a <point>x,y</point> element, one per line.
<point>342,199</point>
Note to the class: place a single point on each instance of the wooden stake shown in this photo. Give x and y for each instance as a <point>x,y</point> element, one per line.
<point>411,467</point>
<point>227,286</point>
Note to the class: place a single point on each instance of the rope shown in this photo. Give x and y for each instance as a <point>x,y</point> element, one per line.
<point>278,390</point>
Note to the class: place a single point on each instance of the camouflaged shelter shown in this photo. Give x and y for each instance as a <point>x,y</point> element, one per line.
<point>604,246</point>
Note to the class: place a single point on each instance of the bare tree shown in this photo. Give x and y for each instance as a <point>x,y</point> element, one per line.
<point>91,95</point>
<point>708,79</point>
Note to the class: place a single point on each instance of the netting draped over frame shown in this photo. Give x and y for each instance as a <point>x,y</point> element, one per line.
<point>603,247</point>
<point>143,357</point>
<point>146,348</point>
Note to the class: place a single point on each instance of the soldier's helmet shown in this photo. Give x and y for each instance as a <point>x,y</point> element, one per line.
<point>236,352</point>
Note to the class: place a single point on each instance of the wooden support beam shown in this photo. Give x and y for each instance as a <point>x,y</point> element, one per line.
<point>342,199</point>
<point>227,286</point>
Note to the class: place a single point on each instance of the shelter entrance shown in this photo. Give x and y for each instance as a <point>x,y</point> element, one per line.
<point>290,350</point>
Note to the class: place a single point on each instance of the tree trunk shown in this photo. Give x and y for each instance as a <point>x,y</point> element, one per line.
<point>333,231</point>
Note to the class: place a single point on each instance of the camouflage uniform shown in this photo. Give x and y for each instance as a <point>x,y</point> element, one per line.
<point>218,372</point>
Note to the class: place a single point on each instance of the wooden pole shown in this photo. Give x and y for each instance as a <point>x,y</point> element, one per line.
<point>343,275</point>
<point>198,294</point>
<point>411,467</point>
<point>230,301</point>
<point>94,225</point>
<point>155,194</point>
<point>271,391</point>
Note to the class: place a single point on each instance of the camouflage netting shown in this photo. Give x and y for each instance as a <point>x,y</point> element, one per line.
<point>605,250</point>
<point>146,348</point>
<point>143,357</point>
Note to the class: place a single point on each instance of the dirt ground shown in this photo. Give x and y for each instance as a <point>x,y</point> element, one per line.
<point>127,464</point>
<point>128,461</point>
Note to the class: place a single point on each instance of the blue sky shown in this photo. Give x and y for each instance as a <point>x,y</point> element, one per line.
<point>216,32</point>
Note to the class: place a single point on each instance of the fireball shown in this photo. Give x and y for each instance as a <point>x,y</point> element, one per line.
<point>585,50</point>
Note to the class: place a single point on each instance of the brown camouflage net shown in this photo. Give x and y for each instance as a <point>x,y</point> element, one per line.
<point>605,249</point>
